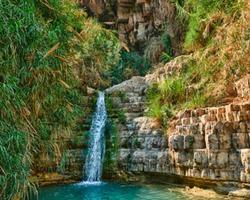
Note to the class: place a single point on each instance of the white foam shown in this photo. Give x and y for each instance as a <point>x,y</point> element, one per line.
<point>87,183</point>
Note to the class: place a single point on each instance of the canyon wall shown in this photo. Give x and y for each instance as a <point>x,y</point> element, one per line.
<point>210,144</point>
<point>203,145</point>
<point>139,22</point>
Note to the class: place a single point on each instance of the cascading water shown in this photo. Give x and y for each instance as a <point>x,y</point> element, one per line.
<point>94,160</point>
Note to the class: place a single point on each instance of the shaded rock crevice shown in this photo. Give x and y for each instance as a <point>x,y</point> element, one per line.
<point>139,22</point>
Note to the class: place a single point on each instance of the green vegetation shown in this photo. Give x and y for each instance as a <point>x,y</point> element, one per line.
<point>97,52</point>
<point>62,164</point>
<point>177,92</point>
<point>197,13</point>
<point>112,106</point>
<point>217,34</point>
<point>115,117</point>
<point>48,52</point>
<point>168,54</point>
<point>112,146</point>
<point>130,64</point>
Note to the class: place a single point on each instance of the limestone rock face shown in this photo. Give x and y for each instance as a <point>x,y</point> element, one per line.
<point>221,152</point>
<point>136,85</point>
<point>243,86</point>
<point>161,71</point>
<point>210,143</point>
<point>138,21</point>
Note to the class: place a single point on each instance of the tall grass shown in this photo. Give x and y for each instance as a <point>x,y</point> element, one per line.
<point>197,13</point>
<point>40,89</point>
<point>177,92</point>
<point>217,35</point>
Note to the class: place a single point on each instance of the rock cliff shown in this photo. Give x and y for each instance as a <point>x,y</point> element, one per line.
<point>210,144</point>
<point>203,145</point>
<point>139,22</point>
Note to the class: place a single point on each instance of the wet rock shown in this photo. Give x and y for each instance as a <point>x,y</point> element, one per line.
<point>240,193</point>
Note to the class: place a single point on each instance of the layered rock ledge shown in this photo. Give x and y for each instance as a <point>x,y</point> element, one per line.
<point>206,145</point>
<point>139,22</point>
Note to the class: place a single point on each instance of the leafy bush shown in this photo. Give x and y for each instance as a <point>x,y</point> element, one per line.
<point>97,52</point>
<point>40,89</point>
<point>177,92</point>
<point>161,112</point>
<point>130,64</point>
<point>173,90</point>
<point>157,107</point>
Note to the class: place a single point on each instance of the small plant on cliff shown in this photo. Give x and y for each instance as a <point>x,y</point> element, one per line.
<point>173,90</point>
<point>111,152</point>
<point>177,92</point>
<point>197,100</point>
<point>156,108</point>
<point>168,54</point>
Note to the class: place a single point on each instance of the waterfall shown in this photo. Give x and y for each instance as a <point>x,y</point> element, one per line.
<point>94,160</point>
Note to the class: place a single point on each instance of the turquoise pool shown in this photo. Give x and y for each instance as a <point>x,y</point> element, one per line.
<point>114,191</point>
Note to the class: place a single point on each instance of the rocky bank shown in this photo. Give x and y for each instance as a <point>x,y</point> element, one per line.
<point>207,146</point>
<point>204,146</point>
